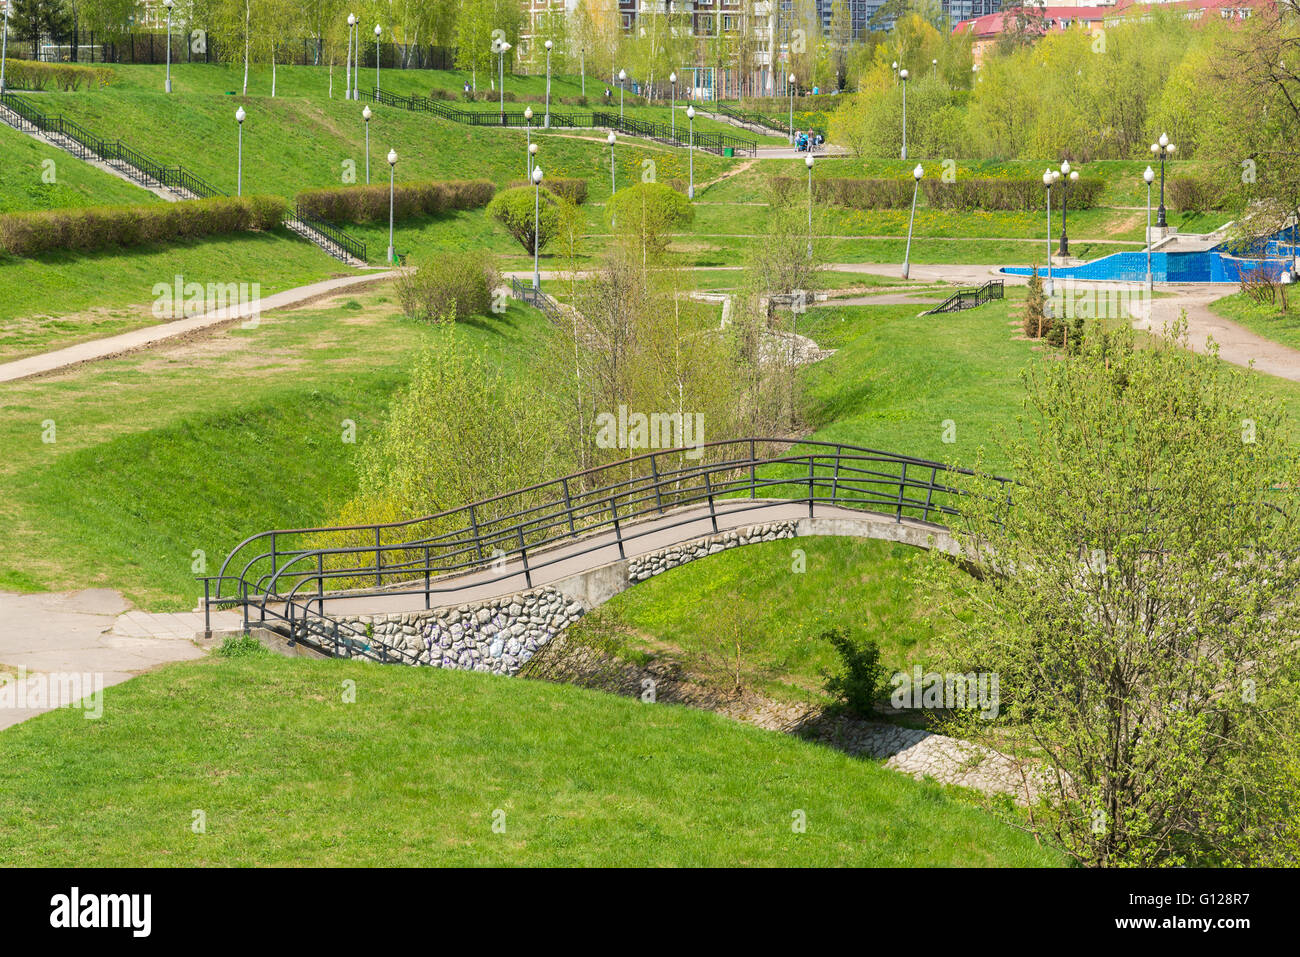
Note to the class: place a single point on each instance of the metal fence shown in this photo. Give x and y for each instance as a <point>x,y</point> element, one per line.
<point>970,298</point>
<point>287,578</point>
<point>198,46</point>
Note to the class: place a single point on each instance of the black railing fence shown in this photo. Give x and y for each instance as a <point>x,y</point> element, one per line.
<point>970,298</point>
<point>673,135</point>
<point>288,577</point>
<point>189,45</point>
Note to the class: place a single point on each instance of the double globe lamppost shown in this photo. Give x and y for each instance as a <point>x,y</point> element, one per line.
<point>1162,149</point>
<point>499,47</point>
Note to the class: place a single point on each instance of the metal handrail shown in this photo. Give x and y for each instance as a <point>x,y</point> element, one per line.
<point>596,119</point>
<point>290,573</point>
<point>970,298</point>
<point>343,244</point>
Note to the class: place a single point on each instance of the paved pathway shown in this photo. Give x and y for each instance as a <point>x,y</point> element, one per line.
<point>92,633</point>
<point>152,335</point>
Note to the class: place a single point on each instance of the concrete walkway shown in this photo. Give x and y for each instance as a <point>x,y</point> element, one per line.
<point>152,335</point>
<point>93,634</point>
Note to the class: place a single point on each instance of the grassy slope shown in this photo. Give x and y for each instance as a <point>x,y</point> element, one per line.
<point>62,298</point>
<point>197,449</point>
<point>23,186</point>
<point>412,773</point>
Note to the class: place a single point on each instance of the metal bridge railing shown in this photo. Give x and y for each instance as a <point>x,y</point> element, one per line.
<point>289,575</point>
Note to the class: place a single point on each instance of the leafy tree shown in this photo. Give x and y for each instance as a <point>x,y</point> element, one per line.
<point>1138,597</point>
<point>33,19</point>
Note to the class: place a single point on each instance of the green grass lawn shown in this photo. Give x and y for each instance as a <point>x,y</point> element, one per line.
<point>186,448</point>
<point>61,298</point>
<point>1266,319</point>
<point>37,176</point>
<point>417,771</point>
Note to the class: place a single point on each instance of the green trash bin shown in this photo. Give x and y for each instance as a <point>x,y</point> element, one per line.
<point>728,151</point>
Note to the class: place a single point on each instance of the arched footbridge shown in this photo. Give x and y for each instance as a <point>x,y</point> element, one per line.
<point>486,584</point>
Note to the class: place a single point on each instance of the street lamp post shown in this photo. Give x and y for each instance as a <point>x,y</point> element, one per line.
<point>4,46</point>
<point>907,254</point>
<point>808,161</point>
<point>1163,149</point>
<point>1049,177</point>
<point>378,32</point>
<point>1150,177</point>
<point>613,181</point>
<point>501,47</point>
<point>672,113</point>
<point>532,157</point>
<point>894,67</point>
<point>902,75</point>
<point>792,83</point>
<point>528,128</point>
<point>167,86</point>
<point>392,175</point>
<point>622,75</point>
<point>537,223</point>
<point>239,169</point>
<point>356,63</point>
<point>1068,176</point>
<point>690,152</point>
<point>347,90</point>
<point>365,115</point>
<point>547,123</point>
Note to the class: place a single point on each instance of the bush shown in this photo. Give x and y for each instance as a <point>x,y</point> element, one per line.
<point>649,211</point>
<point>1189,194</point>
<point>1035,322</point>
<point>102,227</point>
<point>570,190</point>
<point>34,75</point>
<point>851,193</point>
<point>1020,193</point>
<point>863,680</point>
<point>448,286</point>
<point>369,204</point>
<point>513,208</point>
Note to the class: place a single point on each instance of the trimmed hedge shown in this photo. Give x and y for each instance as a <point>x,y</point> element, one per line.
<point>369,204</point>
<point>1024,193</point>
<point>1021,193</point>
<point>1191,195</point>
<point>573,190</point>
<point>36,75</point>
<point>103,227</point>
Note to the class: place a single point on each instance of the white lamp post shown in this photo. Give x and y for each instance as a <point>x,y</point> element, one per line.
<point>356,63</point>
<point>528,133</point>
<point>792,83</point>
<point>894,67</point>
<point>501,47</point>
<point>613,181</point>
<point>672,113</point>
<point>622,75</point>
<point>239,170</point>
<point>690,152</point>
<point>4,45</point>
<point>167,86</point>
<point>916,188</point>
<point>392,175</point>
<point>365,115</point>
<point>547,123</point>
<point>1150,177</point>
<point>537,223</point>
<point>1049,177</point>
<point>532,157</point>
<point>1163,149</point>
<point>902,75</point>
<point>808,161</point>
<point>347,91</point>
<point>378,32</point>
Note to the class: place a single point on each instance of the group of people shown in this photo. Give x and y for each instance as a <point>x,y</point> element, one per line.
<point>807,140</point>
